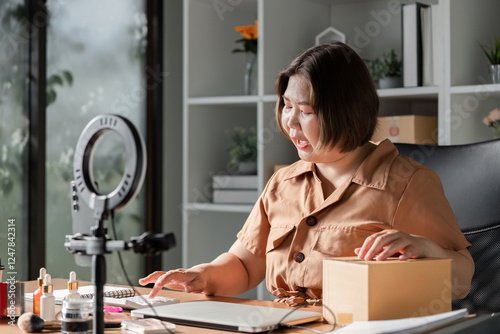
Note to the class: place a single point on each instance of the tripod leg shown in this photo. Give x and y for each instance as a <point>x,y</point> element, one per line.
<point>98,279</point>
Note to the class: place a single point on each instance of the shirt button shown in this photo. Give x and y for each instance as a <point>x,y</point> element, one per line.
<point>298,257</point>
<point>311,221</point>
<point>300,289</point>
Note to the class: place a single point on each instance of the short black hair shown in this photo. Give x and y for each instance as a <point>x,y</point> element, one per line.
<point>343,94</point>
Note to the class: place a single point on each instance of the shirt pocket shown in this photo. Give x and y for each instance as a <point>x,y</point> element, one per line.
<point>335,240</point>
<point>277,235</point>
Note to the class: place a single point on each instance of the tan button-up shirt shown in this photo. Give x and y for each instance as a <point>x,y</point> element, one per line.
<point>294,227</point>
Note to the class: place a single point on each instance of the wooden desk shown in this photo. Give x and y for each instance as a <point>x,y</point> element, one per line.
<point>5,328</point>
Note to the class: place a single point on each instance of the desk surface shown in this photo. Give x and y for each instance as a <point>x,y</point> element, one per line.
<point>5,328</point>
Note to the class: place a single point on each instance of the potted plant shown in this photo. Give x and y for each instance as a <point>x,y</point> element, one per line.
<point>493,55</point>
<point>243,149</point>
<point>387,70</point>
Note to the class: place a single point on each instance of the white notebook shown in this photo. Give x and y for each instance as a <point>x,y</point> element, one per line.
<point>227,316</point>
<point>404,326</point>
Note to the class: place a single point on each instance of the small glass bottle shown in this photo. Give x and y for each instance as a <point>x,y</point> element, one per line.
<point>47,301</point>
<point>38,292</point>
<point>72,287</point>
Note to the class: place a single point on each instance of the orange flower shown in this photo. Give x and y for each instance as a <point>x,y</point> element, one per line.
<point>249,40</point>
<point>248,32</point>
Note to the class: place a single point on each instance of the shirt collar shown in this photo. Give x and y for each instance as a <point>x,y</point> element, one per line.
<point>299,168</point>
<point>373,171</point>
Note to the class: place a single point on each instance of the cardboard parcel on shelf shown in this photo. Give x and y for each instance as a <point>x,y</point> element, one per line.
<point>408,129</point>
<point>358,290</point>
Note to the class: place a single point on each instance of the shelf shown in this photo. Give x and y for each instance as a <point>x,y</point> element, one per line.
<point>270,98</point>
<point>477,89</point>
<point>403,92</point>
<point>409,92</point>
<point>213,88</point>
<point>242,208</point>
<point>229,100</point>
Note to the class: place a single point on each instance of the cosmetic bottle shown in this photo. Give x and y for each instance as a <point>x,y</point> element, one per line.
<point>72,287</point>
<point>47,301</point>
<point>38,292</point>
<point>75,315</point>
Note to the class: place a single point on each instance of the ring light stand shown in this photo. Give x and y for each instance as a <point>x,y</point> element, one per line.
<point>101,206</point>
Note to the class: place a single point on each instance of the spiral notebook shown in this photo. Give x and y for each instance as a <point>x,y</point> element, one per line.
<point>88,292</point>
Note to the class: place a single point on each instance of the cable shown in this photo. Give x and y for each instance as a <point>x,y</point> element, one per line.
<point>280,324</point>
<point>129,282</point>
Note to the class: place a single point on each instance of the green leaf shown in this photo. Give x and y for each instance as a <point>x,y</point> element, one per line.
<point>486,53</point>
<point>55,79</point>
<point>51,96</point>
<point>69,77</point>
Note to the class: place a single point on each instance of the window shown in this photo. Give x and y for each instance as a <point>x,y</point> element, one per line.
<point>93,57</point>
<point>13,138</point>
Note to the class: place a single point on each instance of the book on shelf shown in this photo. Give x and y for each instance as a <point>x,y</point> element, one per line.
<point>234,181</point>
<point>427,46</point>
<point>88,292</point>
<point>437,43</point>
<point>412,44</point>
<point>235,196</point>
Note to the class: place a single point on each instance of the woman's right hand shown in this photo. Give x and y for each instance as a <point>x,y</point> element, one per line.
<point>189,280</point>
<point>230,274</point>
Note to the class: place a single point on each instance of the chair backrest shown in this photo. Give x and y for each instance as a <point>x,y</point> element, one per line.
<point>471,179</point>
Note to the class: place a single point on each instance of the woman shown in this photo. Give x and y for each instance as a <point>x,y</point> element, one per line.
<point>345,196</point>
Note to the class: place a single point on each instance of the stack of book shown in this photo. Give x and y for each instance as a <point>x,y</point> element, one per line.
<point>420,44</point>
<point>235,189</point>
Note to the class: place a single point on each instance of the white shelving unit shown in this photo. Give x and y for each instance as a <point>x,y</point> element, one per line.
<point>213,88</point>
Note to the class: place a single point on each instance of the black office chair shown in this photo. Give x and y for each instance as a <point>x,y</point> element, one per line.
<point>471,179</point>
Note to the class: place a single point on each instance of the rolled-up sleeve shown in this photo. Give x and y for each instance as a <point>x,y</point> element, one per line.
<point>255,232</point>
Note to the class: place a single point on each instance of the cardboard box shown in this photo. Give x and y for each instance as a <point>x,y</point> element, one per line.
<point>409,129</point>
<point>358,290</point>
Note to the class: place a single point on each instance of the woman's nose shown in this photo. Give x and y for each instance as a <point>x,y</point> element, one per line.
<point>293,120</point>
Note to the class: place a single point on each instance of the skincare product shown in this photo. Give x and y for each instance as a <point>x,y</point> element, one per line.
<point>72,287</point>
<point>47,301</point>
<point>76,315</point>
<point>38,292</point>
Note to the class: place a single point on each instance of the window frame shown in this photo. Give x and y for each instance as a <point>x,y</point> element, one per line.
<point>35,108</point>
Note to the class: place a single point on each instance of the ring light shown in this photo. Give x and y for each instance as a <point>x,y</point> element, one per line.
<point>93,247</point>
<point>135,165</point>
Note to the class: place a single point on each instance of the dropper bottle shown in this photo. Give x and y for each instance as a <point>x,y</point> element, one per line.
<point>38,292</point>
<point>47,301</point>
<point>72,287</point>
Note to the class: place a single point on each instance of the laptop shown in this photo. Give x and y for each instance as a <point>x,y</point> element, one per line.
<point>228,316</point>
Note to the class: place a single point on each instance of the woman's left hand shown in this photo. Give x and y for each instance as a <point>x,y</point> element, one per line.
<point>387,243</point>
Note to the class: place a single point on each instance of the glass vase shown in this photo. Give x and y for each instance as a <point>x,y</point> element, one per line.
<point>496,132</point>
<point>495,74</point>
<point>251,74</point>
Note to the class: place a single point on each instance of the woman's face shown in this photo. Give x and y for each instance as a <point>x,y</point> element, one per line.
<point>301,122</point>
